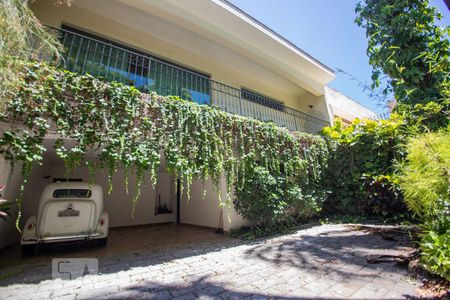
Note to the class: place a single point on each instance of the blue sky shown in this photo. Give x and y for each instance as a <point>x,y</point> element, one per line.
<point>326,30</point>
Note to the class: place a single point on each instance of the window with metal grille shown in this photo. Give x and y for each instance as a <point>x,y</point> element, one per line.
<point>260,99</point>
<point>88,53</point>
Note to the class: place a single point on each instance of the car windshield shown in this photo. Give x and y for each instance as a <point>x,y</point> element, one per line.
<point>72,193</point>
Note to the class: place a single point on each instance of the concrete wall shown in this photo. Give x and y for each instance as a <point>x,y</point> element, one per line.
<point>8,231</point>
<point>130,26</point>
<point>207,211</point>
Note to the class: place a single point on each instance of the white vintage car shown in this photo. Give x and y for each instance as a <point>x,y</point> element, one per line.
<point>68,211</point>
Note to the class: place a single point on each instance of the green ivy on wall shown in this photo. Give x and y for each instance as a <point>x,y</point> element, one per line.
<point>362,163</point>
<point>129,129</point>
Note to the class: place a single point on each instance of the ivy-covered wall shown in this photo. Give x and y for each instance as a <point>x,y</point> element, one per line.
<point>128,129</point>
<point>361,173</point>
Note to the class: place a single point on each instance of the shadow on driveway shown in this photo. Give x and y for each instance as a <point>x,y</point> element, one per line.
<point>169,261</point>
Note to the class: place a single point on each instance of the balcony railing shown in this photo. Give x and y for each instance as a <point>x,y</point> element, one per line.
<point>100,58</point>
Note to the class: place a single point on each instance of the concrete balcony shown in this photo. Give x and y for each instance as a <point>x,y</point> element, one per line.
<point>110,61</point>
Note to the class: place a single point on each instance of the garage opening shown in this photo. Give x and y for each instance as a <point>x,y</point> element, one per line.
<point>163,203</point>
<point>157,204</point>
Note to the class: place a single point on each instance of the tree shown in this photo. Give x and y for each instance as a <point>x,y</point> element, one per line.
<point>21,36</point>
<point>405,44</point>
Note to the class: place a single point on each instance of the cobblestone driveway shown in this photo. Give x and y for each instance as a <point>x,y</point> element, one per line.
<point>183,262</point>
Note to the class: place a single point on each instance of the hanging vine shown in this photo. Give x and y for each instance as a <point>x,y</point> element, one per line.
<point>126,128</point>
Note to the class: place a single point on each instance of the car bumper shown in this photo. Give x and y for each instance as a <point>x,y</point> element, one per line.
<point>59,239</point>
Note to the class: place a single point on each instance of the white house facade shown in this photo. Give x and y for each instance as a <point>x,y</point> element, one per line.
<point>206,51</point>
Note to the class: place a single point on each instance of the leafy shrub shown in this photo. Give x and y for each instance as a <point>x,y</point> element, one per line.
<point>405,42</point>
<point>425,175</point>
<point>362,157</point>
<point>273,201</point>
<point>435,253</point>
<point>381,191</point>
<point>21,35</point>
<point>264,198</point>
<point>306,203</point>
<point>424,117</point>
<point>425,182</point>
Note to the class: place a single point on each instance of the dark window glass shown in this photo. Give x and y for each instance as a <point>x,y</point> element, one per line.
<point>262,100</point>
<point>57,179</point>
<point>87,53</point>
<point>72,193</point>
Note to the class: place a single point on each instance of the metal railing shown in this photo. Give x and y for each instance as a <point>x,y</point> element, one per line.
<point>101,58</point>
<point>381,116</point>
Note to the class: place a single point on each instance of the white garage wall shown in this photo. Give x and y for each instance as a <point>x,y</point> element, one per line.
<point>118,204</point>
<point>206,212</point>
<point>196,211</point>
<point>232,220</point>
<point>199,211</point>
<point>33,190</point>
<point>8,232</point>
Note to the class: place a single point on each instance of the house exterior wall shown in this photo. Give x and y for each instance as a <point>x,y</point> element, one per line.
<point>149,33</point>
<point>244,57</point>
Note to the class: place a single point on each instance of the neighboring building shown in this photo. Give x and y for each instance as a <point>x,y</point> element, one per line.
<point>345,108</point>
<point>207,51</point>
<point>391,104</point>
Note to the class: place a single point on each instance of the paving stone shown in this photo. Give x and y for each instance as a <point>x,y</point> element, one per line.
<point>188,296</point>
<point>210,291</point>
<point>302,293</point>
<point>182,291</point>
<point>340,290</point>
<point>161,295</point>
<point>371,292</point>
<point>283,288</point>
<point>319,286</point>
<point>258,297</point>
